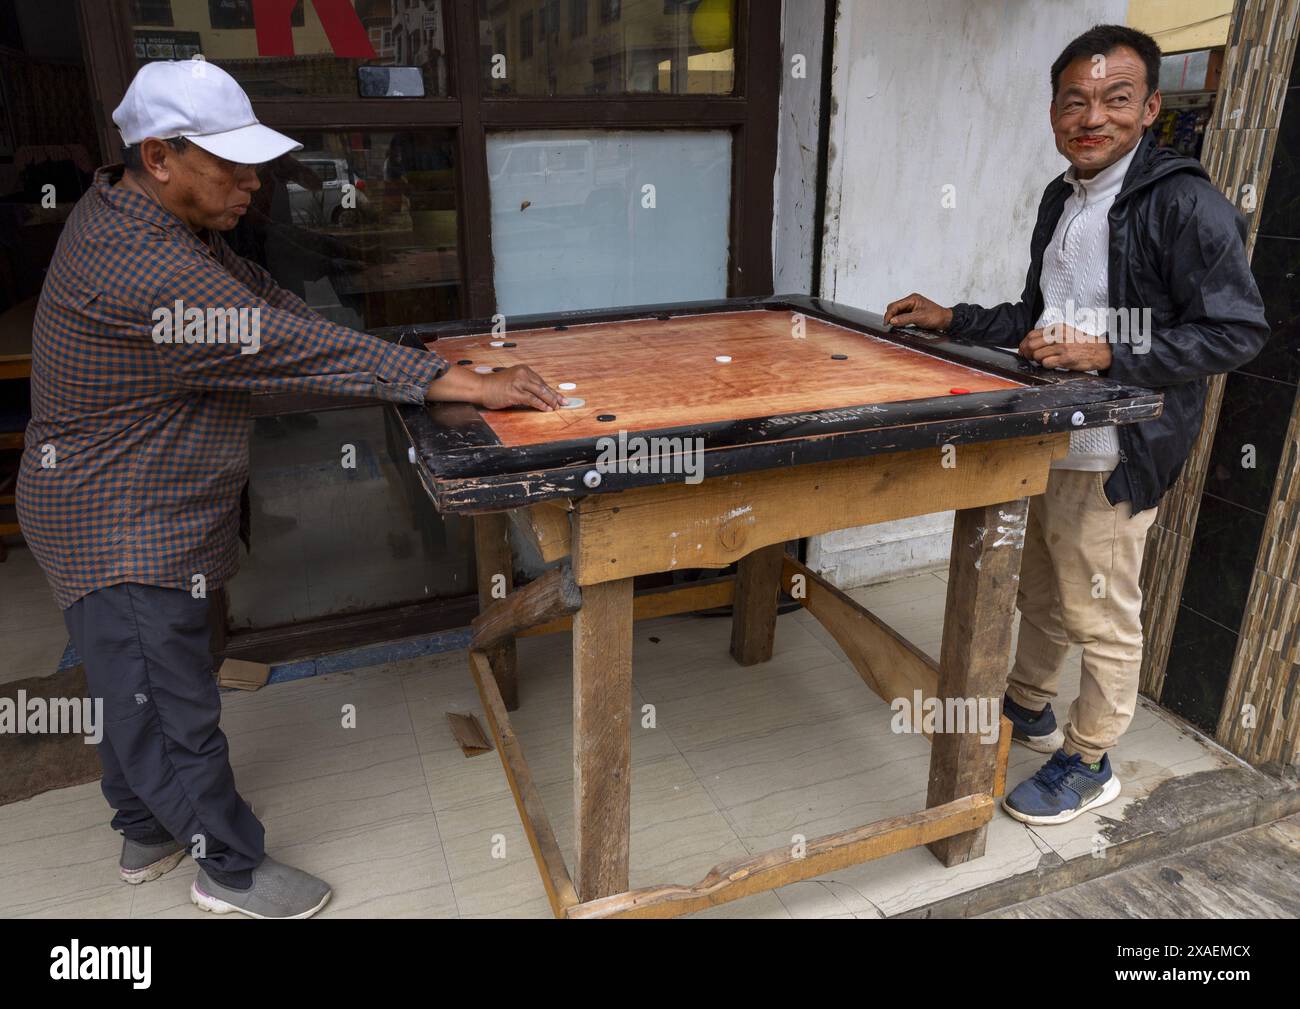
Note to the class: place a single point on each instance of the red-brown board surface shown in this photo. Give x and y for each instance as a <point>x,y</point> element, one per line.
<point>655,374</point>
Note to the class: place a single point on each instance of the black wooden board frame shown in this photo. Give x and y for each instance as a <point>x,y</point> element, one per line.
<point>465,467</point>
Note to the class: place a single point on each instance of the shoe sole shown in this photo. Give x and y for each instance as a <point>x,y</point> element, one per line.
<point>152,871</point>
<point>1042,744</point>
<point>1109,792</point>
<point>216,905</point>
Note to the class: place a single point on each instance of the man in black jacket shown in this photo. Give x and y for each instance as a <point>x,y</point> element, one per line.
<point>1137,271</point>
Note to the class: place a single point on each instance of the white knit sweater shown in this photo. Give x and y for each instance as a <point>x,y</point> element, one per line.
<point>1075,277</point>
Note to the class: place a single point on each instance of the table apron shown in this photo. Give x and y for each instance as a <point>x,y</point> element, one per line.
<point>717,522</point>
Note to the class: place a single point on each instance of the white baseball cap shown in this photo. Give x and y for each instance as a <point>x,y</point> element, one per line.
<point>199,101</point>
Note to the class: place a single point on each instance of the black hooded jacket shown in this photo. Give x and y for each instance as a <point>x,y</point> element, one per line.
<point>1176,248</point>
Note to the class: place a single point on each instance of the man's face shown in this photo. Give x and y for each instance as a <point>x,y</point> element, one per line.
<point>1101,109</point>
<point>203,190</point>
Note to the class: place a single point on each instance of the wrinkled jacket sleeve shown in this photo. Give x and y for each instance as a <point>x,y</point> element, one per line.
<point>1221,320</point>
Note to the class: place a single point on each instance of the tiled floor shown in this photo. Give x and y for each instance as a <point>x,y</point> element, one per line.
<point>738,760</point>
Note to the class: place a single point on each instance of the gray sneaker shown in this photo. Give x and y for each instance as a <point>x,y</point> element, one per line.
<point>278,891</point>
<point>142,862</point>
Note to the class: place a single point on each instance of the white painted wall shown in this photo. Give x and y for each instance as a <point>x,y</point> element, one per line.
<point>927,94</point>
<point>795,189</point>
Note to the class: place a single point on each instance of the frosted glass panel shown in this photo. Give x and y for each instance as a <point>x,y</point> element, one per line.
<point>595,220</point>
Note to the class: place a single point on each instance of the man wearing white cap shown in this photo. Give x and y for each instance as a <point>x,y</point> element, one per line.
<point>150,337</point>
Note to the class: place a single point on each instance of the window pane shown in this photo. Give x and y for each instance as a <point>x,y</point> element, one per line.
<point>361,226</point>
<point>298,53</point>
<point>48,150</point>
<point>151,12</point>
<point>327,540</point>
<point>596,47</point>
<point>592,220</point>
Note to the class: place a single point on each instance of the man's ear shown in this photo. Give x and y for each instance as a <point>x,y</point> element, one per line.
<point>155,157</point>
<point>1152,112</point>
<point>1051,112</point>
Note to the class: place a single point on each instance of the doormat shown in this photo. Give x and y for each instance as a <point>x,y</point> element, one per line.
<point>36,762</point>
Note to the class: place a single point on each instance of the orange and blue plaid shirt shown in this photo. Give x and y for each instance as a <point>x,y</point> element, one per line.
<point>137,450</point>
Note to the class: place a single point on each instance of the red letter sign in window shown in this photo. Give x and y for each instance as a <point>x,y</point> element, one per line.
<point>344,29</point>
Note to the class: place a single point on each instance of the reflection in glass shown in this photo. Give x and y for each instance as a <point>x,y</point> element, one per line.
<point>49,149</point>
<point>328,540</point>
<point>312,49</point>
<point>597,219</point>
<point>596,47</point>
<point>361,226</point>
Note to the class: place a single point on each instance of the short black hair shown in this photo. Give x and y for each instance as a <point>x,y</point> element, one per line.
<point>1105,39</point>
<point>131,155</point>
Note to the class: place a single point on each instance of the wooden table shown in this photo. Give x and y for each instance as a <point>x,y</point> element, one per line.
<point>820,420</point>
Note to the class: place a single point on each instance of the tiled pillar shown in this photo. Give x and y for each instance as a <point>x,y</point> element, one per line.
<point>1220,611</point>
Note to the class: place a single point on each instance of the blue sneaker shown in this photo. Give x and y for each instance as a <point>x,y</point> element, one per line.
<point>1034,729</point>
<point>1062,789</point>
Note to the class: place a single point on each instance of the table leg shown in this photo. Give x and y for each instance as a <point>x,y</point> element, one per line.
<point>492,557</point>
<point>982,576</point>
<point>602,737</point>
<point>753,620</point>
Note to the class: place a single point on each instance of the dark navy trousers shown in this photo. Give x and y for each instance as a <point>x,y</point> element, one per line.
<point>166,762</point>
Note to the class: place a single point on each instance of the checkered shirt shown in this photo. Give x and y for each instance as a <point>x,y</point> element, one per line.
<point>137,450</point>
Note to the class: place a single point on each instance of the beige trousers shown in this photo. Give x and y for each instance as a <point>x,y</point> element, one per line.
<point>1079,582</point>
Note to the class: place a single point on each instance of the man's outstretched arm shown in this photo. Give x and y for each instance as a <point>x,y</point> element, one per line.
<point>1003,325</point>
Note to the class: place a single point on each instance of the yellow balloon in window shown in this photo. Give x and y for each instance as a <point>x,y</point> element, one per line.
<point>711,25</point>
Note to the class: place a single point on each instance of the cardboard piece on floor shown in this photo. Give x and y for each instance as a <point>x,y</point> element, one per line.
<point>469,734</point>
<point>243,675</point>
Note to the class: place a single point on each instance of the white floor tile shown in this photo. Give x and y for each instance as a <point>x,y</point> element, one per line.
<point>739,760</point>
